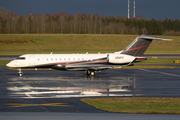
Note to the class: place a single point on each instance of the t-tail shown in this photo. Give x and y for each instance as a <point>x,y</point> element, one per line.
<point>139,45</point>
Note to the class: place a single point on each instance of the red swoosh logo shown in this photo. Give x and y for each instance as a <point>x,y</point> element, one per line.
<point>136,48</point>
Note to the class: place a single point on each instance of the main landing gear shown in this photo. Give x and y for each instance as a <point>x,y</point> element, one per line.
<point>20,72</point>
<point>90,72</point>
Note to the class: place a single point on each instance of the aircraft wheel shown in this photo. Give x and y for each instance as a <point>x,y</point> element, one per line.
<point>90,73</point>
<point>20,74</point>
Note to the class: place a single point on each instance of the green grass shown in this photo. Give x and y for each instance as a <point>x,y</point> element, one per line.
<point>136,105</point>
<point>4,62</point>
<point>151,63</point>
<point>149,67</point>
<point>159,61</point>
<point>81,43</point>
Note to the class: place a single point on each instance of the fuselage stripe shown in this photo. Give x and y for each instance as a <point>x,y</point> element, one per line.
<point>77,62</point>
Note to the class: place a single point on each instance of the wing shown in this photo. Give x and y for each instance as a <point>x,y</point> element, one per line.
<point>88,67</point>
<point>95,67</point>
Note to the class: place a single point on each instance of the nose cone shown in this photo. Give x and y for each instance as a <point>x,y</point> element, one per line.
<point>10,64</point>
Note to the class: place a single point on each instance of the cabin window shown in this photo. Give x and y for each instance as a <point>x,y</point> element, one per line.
<point>69,59</point>
<point>73,58</point>
<point>64,59</point>
<point>38,59</point>
<point>56,59</point>
<point>47,59</point>
<point>78,59</point>
<point>60,59</point>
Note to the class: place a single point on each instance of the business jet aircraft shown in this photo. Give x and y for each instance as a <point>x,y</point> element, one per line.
<point>86,62</point>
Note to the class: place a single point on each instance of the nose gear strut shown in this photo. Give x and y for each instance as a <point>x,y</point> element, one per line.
<point>20,72</point>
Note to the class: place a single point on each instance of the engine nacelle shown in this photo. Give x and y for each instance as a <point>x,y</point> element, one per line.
<point>120,58</point>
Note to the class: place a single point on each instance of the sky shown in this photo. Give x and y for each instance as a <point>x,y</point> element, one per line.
<point>148,9</point>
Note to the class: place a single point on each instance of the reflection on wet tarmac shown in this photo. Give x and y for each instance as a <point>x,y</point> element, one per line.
<point>69,84</point>
<point>63,87</point>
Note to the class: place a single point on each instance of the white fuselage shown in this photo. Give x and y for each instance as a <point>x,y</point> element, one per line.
<point>34,60</point>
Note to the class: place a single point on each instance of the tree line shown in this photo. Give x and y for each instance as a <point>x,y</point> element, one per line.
<point>63,23</point>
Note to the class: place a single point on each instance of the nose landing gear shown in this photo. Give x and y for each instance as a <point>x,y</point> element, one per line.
<point>20,72</point>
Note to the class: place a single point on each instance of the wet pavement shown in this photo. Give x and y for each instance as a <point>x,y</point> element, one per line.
<point>73,84</point>
<point>61,91</point>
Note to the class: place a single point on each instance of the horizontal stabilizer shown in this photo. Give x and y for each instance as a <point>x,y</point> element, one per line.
<point>154,38</point>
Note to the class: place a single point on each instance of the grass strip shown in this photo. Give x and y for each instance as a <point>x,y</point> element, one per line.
<point>159,61</point>
<point>136,105</point>
<point>81,43</point>
<point>4,62</point>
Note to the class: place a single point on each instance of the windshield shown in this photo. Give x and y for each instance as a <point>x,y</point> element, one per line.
<point>20,58</point>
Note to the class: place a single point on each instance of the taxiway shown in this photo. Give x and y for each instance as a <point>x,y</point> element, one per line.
<point>61,91</point>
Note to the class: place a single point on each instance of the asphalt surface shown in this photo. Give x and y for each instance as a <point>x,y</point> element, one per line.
<point>56,94</point>
<point>83,116</point>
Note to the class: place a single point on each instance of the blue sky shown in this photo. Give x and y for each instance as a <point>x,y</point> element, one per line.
<point>148,9</point>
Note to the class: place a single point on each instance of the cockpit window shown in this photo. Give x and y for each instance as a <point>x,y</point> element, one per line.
<point>20,58</point>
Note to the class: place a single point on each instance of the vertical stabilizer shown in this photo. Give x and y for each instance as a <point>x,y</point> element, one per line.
<point>139,45</point>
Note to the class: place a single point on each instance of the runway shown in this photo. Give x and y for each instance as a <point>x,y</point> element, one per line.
<point>61,91</point>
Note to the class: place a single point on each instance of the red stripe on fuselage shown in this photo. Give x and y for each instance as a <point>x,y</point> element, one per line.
<point>136,48</point>
<point>76,62</point>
